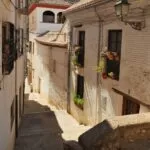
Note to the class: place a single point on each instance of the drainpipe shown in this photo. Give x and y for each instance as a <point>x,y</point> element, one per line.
<point>98,96</point>
<point>70,34</point>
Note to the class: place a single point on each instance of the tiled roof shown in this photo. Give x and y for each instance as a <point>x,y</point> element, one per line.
<point>59,2</point>
<point>81,4</point>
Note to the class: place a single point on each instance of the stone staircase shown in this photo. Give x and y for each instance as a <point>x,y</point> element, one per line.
<point>131,132</point>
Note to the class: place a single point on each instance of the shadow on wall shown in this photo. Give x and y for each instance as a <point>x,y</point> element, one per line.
<point>39,128</point>
<point>53,84</point>
<point>89,111</point>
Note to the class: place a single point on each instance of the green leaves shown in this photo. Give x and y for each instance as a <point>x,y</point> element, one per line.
<point>78,101</point>
<point>101,65</point>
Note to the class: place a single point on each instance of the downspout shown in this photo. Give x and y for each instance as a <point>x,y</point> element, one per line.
<point>98,86</point>
<point>70,34</point>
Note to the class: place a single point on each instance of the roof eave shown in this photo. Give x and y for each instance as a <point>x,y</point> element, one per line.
<point>54,44</point>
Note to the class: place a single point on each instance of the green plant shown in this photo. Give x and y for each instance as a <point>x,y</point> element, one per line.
<point>75,58</point>
<point>75,61</point>
<point>78,101</point>
<point>101,66</point>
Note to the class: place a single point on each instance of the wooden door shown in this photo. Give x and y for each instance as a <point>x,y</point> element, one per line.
<point>130,107</point>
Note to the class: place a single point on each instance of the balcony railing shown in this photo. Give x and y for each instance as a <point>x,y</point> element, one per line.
<point>23,7</point>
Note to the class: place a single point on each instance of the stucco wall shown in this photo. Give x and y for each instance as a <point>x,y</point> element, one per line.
<point>7,84</point>
<point>7,95</point>
<point>39,26</point>
<point>53,83</point>
<point>134,72</point>
<point>33,21</point>
<point>88,114</point>
<point>105,103</point>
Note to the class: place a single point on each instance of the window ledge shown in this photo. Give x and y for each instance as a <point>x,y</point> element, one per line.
<point>48,22</point>
<point>79,70</point>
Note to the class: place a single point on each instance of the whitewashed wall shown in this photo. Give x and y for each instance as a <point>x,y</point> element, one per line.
<point>53,84</point>
<point>7,85</point>
<point>134,73</point>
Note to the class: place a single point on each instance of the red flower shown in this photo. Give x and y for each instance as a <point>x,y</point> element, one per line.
<point>104,75</point>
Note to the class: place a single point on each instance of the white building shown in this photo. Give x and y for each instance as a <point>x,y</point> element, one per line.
<point>119,88</point>
<point>44,16</point>
<point>49,77</point>
<point>12,34</point>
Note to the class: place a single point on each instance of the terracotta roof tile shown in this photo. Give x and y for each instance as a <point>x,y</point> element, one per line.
<point>80,4</point>
<point>59,2</point>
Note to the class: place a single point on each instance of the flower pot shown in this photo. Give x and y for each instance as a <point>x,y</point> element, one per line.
<point>104,75</point>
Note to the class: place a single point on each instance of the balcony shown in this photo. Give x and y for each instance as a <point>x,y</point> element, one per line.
<point>23,7</point>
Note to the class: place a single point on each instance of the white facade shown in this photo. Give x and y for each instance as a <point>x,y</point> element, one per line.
<point>49,77</point>
<point>38,26</point>
<point>11,85</point>
<point>100,100</point>
<point>47,69</point>
<point>43,26</point>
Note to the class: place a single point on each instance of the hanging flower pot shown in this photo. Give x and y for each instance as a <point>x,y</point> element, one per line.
<point>110,55</point>
<point>104,75</point>
<point>112,75</point>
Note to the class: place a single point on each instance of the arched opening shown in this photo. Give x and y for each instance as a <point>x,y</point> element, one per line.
<point>48,16</point>
<point>60,18</point>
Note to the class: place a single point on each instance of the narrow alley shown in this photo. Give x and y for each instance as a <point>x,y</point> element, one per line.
<point>45,127</point>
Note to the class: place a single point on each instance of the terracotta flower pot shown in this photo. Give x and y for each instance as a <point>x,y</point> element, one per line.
<point>104,75</point>
<point>110,55</point>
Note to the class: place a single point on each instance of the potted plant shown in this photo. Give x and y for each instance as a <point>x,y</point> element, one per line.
<point>76,54</point>
<point>78,101</point>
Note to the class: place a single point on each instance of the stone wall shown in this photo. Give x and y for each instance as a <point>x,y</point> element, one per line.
<point>131,132</point>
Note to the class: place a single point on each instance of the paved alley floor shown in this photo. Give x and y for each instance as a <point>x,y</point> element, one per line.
<point>43,127</point>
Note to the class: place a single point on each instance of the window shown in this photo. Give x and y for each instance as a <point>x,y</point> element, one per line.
<point>19,3</point>
<point>54,66</point>
<point>114,54</point>
<point>82,47</point>
<point>48,16</point>
<point>8,49</point>
<point>60,18</point>
<point>21,40</point>
<point>80,86</point>
<point>22,4</point>
<point>130,107</point>
<point>12,113</point>
<point>33,48</point>
<point>20,102</point>
<point>30,46</point>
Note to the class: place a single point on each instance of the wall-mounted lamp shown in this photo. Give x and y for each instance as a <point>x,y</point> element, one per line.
<point>122,10</point>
